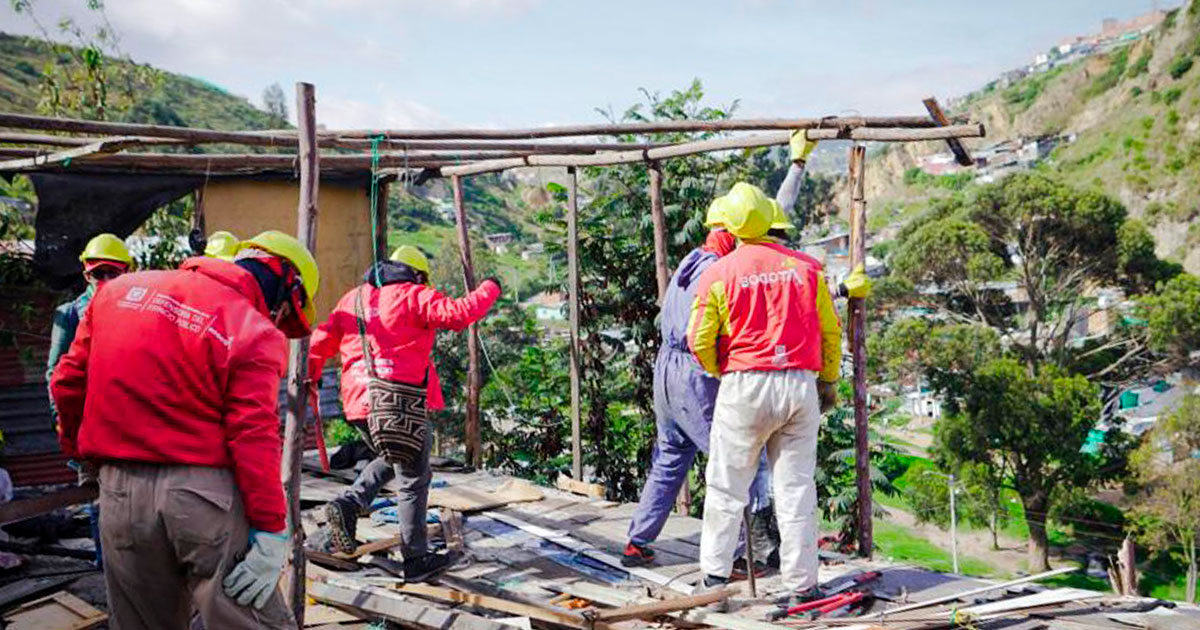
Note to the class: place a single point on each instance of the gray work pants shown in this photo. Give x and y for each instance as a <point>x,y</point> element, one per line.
<point>412,496</point>
<point>170,535</point>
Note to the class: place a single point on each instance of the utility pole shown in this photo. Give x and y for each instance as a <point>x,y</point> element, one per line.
<point>953,526</point>
<point>953,517</point>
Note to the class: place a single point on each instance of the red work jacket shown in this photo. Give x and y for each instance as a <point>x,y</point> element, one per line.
<point>179,367</point>
<point>401,322</point>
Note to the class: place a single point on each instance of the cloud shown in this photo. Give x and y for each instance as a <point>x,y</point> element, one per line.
<point>392,113</point>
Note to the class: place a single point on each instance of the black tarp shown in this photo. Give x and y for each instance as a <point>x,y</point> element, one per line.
<point>72,208</point>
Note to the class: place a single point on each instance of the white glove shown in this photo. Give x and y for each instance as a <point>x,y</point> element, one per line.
<point>254,579</point>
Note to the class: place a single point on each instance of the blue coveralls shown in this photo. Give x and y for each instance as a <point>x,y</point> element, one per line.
<point>684,396</point>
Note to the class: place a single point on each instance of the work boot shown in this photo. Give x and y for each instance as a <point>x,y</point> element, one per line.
<point>739,570</point>
<point>637,555</point>
<point>713,583</point>
<point>341,514</point>
<point>803,596</point>
<point>423,568</point>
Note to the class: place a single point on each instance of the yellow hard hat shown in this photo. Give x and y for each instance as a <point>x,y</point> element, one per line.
<point>716,212</point>
<point>779,219</point>
<point>748,213</point>
<point>221,245</point>
<point>106,247</point>
<point>412,257</point>
<point>288,248</point>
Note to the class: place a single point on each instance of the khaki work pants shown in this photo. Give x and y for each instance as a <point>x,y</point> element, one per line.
<point>170,535</point>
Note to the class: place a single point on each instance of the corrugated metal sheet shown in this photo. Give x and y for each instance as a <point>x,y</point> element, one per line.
<point>38,470</point>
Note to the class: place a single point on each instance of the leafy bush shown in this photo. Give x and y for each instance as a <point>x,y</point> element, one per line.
<point>1179,67</point>
<point>1135,91</point>
<point>1172,95</point>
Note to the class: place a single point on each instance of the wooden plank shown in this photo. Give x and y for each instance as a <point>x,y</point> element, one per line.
<point>382,602</point>
<point>613,597</point>
<point>1045,598</point>
<point>60,611</point>
<point>452,530</point>
<point>467,499</point>
<point>573,317</point>
<point>857,333</point>
<point>956,146</point>
<point>14,511</point>
<point>66,156</point>
<point>574,486</point>
<point>320,614</point>
<point>650,610</point>
<point>498,604</point>
<point>297,386</point>
<point>588,550</point>
<point>474,377</point>
<point>330,560</point>
<point>610,158</point>
<point>372,547</point>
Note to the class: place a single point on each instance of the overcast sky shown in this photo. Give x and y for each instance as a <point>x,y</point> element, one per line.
<point>507,63</point>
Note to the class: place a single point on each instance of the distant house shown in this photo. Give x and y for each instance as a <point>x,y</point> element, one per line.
<point>499,242</point>
<point>923,404</point>
<point>548,306</point>
<point>1142,405</point>
<point>533,251</point>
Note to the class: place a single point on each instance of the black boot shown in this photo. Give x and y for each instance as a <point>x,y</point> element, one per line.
<point>341,514</point>
<point>423,568</point>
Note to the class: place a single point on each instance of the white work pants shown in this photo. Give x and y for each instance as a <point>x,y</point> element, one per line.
<point>777,411</point>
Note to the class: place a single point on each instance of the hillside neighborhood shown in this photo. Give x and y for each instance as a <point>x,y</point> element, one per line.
<point>703,359</point>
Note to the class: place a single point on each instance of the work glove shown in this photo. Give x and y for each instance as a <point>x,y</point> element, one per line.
<point>88,473</point>
<point>254,579</point>
<point>801,147</point>
<point>827,395</point>
<point>857,284</point>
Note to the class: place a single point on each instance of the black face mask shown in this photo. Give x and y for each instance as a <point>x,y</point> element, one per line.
<point>273,289</point>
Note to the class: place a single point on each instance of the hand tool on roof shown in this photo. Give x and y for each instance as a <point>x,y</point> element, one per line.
<point>832,596</point>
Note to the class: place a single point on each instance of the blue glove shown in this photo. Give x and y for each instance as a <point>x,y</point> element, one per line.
<point>254,579</point>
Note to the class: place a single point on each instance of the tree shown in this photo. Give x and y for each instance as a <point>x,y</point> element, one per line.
<point>1032,427</point>
<point>275,103</point>
<point>1173,318</point>
<point>1167,513</point>
<point>978,501</point>
<point>91,77</point>
<point>619,296</point>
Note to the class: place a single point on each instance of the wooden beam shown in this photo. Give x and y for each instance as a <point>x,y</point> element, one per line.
<point>93,150</point>
<point>381,217</point>
<point>857,332</point>
<point>614,597</point>
<point>474,378</point>
<point>573,317</point>
<point>22,509</point>
<point>661,273</point>
<point>189,134</point>
<point>610,158</point>
<point>956,146</point>
<point>297,391</point>
<point>639,128</point>
<point>583,488</point>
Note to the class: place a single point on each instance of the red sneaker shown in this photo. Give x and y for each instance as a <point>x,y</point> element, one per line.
<point>637,555</point>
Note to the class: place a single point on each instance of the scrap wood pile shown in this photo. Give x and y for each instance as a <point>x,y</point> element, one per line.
<point>549,558</point>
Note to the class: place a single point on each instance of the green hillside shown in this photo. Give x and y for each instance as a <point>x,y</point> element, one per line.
<point>175,100</point>
<point>1135,115</point>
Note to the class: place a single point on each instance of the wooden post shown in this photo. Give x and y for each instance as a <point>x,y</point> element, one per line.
<point>381,219</point>
<point>297,386</point>
<point>1128,564</point>
<point>573,308</point>
<point>474,456</point>
<point>661,272</point>
<point>858,319</point>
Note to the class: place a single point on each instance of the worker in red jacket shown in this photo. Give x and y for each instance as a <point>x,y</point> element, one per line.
<point>171,386</point>
<point>400,315</point>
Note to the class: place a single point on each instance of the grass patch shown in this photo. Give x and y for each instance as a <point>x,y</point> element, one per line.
<point>1078,580</point>
<point>1111,76</point>
<point>900,545</point>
